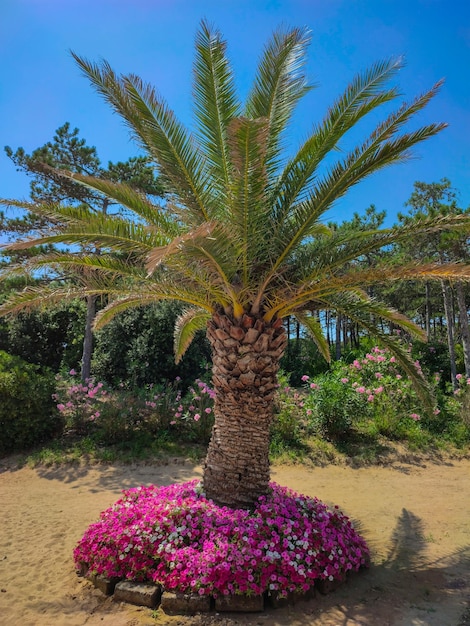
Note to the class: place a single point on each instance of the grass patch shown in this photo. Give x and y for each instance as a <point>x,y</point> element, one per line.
<point>86,449</point>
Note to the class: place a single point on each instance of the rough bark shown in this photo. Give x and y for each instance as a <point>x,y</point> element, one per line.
<point>246,357</point>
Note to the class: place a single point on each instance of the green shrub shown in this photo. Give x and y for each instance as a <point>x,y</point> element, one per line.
<point>287,427</point>
<point>136,349</point>
<point>333,406</point>
<point>27,412</point>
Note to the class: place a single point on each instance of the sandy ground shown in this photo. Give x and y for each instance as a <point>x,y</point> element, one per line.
<point>416,519</point>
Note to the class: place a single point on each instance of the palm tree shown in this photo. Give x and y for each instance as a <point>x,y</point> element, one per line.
<point>240,239</point>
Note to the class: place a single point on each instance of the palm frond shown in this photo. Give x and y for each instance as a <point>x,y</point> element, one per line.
<point>216,104</point>
<point>156,256</point>
<point>158,131</point>
<point>247,141</point>
<point>186,327</point>
<point>125,297</point>
<point>361,97</point>
<point>354,280</point>
<point>37,297</point>
<point>327,254</point>
<point>280,84</point>
<point>358,165</point>
<point>129,198</point>
<point>101,232</point>
<point>113,266</point>
<point>105,315</point>
<point>315,331</point>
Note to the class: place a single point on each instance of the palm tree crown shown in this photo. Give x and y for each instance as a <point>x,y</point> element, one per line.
<point>241,238</point>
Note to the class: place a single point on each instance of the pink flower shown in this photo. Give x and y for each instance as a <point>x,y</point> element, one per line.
<point>436,411</point>
<point>208,410</point>
<point>415,416</point>
<point>247,551</point>
<point>344,380</point>
<point>378,375</point>
<point>313,386</point>
<point>379,389</point>
<point>398,377</point>
<point>197,417</point>
<point>459,377</point>
<point>392,359</point>
<point>173,422</point>
<point>305,378</point>
<point>72,372</point>
<point>370,398</point>
<point>61,407</point>
<point>360,389</point>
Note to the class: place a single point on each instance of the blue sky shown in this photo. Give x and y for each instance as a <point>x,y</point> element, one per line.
<point>41,87</point>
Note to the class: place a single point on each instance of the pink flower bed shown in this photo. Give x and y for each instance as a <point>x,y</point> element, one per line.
<point>176,537</point>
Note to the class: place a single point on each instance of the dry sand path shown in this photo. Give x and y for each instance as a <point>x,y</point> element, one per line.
<point>416,519</point>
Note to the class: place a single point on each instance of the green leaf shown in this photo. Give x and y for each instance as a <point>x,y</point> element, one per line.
<point>186,327</point>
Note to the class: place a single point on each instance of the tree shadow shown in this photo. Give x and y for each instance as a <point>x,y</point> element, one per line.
<point>119,477</point>
<point>406,587</point>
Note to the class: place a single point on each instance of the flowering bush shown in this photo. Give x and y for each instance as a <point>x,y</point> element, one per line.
<point>194,413</point>
<point>370,387</point>
<point>79,403</point>
<point>176,537</point>
<point>109,415</point>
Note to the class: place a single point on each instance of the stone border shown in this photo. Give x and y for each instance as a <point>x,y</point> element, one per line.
<point>171,603</point>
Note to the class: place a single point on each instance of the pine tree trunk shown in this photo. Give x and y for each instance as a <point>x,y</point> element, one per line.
<point>88,339</point>
<point>428,310</point>
<point>246,357</point>
<point>450,331</point>
<point>327,324</point>
<point>338,337</point>
<point>464,327</point>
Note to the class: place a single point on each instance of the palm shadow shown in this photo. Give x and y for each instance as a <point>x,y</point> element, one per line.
<point>430,590</point>
<point>119,477</point>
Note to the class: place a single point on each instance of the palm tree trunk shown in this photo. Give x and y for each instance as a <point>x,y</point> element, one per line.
<point>246,357</point>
